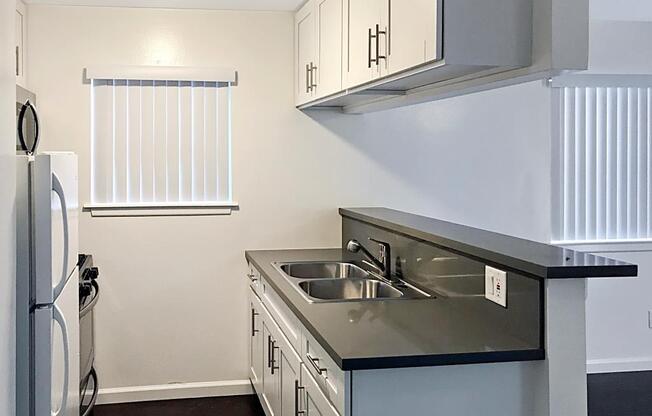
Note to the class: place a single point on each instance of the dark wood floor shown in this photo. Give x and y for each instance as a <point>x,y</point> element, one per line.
<point>616,394</point>
<point>214,406</point>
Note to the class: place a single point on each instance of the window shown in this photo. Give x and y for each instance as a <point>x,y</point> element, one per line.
<point>160,141</point>
<point>605,158</point>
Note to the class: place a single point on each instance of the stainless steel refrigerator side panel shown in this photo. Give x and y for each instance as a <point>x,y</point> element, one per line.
<point>41,357</point>
<point>23,299</point>
<point>42,223</point>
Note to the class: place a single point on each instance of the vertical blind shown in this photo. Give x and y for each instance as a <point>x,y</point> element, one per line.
<point>160,142</point>
<point>605,163</point>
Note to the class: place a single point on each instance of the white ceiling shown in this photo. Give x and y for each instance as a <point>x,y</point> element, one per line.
<point>272,5</point>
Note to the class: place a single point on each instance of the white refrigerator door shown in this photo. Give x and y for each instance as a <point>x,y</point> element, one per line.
<point>56,354</point>
<point>55,216</point>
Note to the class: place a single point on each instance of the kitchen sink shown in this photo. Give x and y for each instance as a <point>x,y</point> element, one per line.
<point>320,282</point>
<point>349,289</point>
<point>324,270</point>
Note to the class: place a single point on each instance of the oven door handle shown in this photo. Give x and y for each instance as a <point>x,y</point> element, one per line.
<point>89,306</point>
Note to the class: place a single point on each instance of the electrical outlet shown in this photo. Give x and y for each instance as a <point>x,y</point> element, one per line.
<point>495,285</point>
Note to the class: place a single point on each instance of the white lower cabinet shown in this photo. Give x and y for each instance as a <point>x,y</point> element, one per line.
<point>271,376</point>
<point>277,371</point>
<point>315,402</point>
<point>255,342</point>
<point>289,369</point>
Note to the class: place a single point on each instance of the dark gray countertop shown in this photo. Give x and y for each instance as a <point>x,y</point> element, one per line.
<point>392,333</point>
<point>525,256</point>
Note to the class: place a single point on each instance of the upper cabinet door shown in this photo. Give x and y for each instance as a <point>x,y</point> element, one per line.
<point>362,49</point>
<point>328,71</point>
<point>413,33</point>
<point>305,53</point>
<point>20,44</point>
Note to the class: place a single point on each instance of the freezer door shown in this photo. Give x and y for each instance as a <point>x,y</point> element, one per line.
<point>55,219</point>
<point>56,356</point>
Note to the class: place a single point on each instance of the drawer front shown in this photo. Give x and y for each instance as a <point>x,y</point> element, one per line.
<point>254,278</point>
<point>328,375</point>
<point>286,320</point>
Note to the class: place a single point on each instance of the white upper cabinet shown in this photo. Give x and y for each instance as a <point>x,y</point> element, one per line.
<point>413,34</point>
<point>391,49</point>
<point>305,53</point>
<point>21,30</point>
<point>318,56</point>
<point>328,74</point>
<point>362,44</point>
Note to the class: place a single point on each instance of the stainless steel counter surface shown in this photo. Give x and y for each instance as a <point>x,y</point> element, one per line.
<point>394,333</point>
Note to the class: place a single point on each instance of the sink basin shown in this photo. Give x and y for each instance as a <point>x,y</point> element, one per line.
<point>324,270</point>
<point>349,289</point>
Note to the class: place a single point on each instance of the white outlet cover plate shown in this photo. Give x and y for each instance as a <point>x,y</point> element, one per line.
<point>495,285</point>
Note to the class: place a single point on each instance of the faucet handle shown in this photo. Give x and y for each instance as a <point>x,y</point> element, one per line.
<point>384,249</point>
<point>383,244</point>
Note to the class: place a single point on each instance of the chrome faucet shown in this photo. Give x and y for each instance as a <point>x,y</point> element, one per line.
<point>383,263</point>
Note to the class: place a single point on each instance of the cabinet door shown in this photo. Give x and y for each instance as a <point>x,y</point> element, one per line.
<point>315,402</point>
<point>328,73</point>
<point>305,47</point>
<point>271,376</point>
<point>363,16</point>
<point>20,21</point>
<point>289,365</point>
<point>255,342</point>
<point>413,34</point>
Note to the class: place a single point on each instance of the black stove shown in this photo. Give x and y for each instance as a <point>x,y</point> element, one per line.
<point>89,293</point>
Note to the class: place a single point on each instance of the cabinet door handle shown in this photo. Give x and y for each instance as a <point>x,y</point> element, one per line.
<point>254,314</point>
<point>17,60</point>
<point>369,59</point>
<point>307,78</point>
<point>297,387</point>
<point>315,364</point>
<point>269,351</point>
<point>273,365</point>
<point>378,33</point>
<point>313,68</point>
<point>252,277</point>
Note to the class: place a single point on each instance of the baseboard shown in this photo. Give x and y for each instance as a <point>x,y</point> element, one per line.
<point>174,391</point>
<point>619,365</point>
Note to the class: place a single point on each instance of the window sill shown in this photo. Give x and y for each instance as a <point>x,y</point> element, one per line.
<point>174,209</point>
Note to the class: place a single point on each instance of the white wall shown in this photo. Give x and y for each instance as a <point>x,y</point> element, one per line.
<point>7,203</point>
<point>621,10</point>
<point>172,307</point>
<point>619,337</point>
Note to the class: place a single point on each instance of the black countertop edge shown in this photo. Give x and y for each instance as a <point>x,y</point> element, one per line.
<point>485,357</point>
<point>529,257</point>
<point>376,363</point>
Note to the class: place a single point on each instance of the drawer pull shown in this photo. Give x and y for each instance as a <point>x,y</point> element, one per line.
<point>315,364</point>
<point>297,387</point>
<point>269,351</point>
<point>254,314</point>
<point>273,365</point>
<point>252,277</point>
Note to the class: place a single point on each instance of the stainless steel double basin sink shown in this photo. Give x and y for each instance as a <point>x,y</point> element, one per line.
<point>321,282</point>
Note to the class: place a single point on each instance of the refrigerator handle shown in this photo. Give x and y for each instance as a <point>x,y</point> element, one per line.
<point>58,317</point>
<point>58,189</point>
